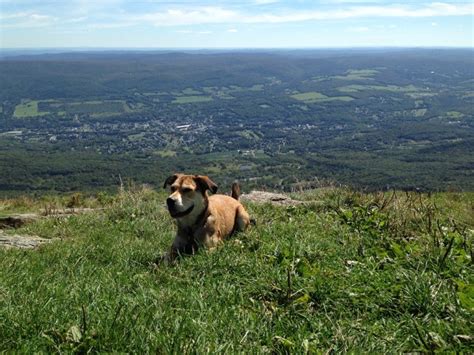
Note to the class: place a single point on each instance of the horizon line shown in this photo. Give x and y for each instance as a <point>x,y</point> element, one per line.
<point>234,48</point>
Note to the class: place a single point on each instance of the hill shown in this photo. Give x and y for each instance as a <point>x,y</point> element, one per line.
<point>373,119</point>
<point>338,271</point>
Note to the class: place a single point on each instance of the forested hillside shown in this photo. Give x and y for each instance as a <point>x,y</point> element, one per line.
<point>376,119</point>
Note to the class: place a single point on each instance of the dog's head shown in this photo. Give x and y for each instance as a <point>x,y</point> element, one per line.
<point>188,194</point>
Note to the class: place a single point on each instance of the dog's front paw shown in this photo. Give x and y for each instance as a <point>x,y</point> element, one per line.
<point>165,259</point>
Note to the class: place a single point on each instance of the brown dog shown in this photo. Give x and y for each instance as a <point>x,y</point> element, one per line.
<point>202,220</point>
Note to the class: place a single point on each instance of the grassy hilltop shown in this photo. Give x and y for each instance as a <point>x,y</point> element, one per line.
<point>344,271</point>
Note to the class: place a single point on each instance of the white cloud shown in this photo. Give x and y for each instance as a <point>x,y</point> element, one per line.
<point>179,17</point>
<point>77,19</point>
<point>215,15</point>
<point>232,30</point>
<point>359,29</point>
<point>106,25</point>
<point>195,32</point>
<point>186,15</point>
<point>265,2</point>
<point>26,19</point>
<point>434,24</point>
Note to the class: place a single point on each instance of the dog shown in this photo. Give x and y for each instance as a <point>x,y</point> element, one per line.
<point>202,220</point>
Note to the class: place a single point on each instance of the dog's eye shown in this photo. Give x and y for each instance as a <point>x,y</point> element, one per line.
<point>186,189</point>
<point>173,188</point>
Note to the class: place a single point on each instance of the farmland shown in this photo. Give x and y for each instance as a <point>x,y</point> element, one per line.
<point>278,119</point>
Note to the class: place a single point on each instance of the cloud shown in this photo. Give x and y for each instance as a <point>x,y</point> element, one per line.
<point>111,14</point>
<point>232,30</point>
<point>216,15</point>
<point>179,17</point>
<point>195,32</point>
<point>359,29</point>
<point>77,19</point>
<point>105,25</point>
<point>26,19</point>
<point>265,2</point>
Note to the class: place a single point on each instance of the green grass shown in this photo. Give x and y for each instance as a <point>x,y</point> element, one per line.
<point>256,87</point>
<point>28,109</point>
<point>191,91</point>
<point>348,272</point>
<point>389,88</point>
<point>357,74</point>
<point>313,97</point>
<point>96,108</point>
<point>191,99</point>
<point>454,114</point>
<point>165,153</point>
<point>420,112</point>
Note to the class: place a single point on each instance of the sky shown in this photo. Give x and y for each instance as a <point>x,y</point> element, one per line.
<point>235,24</point>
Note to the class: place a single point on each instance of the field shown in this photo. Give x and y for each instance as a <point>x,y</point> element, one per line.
<point>191,99</point>
<point>313,97</point>
<point>28,108</point>
<point>343,272</point>
<point>32,108</point>
<point>389,88</point>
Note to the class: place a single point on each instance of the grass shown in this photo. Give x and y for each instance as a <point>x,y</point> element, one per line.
<point>357,74</point>
<point>454,114</point>
<point>28,108</point>
<point>420,112</point>
<point>190,91</point>
<point>96,108</point>
<point>346,272</point>
<point>164,153</point>
<point>313,97</point>
<point>389,88</point>
<point>191,99</point>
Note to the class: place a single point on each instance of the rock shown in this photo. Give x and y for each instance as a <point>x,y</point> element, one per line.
<point>17,220</point>
<point>9,241</point>
<point>269,197</point>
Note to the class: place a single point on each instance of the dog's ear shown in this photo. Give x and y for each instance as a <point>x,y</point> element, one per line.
<point>171,179</point>
<point>204,183</point>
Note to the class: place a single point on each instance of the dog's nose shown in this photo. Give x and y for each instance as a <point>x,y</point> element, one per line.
<point>170,202</point>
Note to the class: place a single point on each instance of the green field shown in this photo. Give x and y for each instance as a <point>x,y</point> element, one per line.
<point>454,114</point>
<point>28,108</point>
<point>313,97</point>
<point>357,74</point>
<point>191,99</point>
<point>389,88</point>
<point>191,91</point>
<point>96,108</point>
<point>344,272</point>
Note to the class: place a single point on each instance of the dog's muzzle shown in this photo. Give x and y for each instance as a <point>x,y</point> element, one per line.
<point>173,212</point>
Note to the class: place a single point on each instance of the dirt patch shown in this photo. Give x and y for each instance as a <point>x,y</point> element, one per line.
<point>269,197</point>
<point>9,241</point>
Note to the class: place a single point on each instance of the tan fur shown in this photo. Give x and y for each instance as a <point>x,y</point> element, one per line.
<point>202,220</point>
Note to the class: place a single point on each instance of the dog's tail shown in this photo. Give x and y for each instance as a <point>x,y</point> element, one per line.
<point>235,191</point>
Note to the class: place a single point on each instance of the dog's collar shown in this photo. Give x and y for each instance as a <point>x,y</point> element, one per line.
<point>184,213</point>
<point>200,221</point>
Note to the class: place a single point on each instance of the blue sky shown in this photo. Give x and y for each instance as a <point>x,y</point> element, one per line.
<point>235,24</point>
